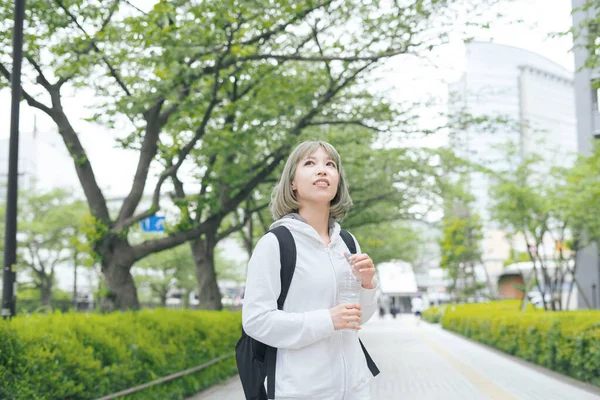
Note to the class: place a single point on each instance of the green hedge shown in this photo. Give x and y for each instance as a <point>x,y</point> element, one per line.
<point>567,342</point>
<point>87,356</point>
<point>433,314</point>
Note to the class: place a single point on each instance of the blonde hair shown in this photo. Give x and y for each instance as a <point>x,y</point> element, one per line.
<point>283,199</point>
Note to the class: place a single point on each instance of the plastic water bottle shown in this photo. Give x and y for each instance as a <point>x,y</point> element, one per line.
<point>349,288</point>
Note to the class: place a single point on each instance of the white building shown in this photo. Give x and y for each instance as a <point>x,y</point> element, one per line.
<point>43,161</point>
<point>537,95</point>
<point>44,164</point>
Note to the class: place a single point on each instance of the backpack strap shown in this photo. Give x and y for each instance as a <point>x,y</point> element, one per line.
<point>349,240</point>
<point>351,244</point>
<point>370,363</point>
<point>287,258</point>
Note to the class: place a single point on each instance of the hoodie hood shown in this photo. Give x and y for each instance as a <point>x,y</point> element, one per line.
<point>296,223</point>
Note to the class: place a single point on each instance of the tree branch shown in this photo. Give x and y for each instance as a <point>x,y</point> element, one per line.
<point>265,35</point>
<point>30,100</point>
<point>125,216</point>
<point>133,199</point>
<point>294,57</point>
<point>134,7</point>
<point>83,167</point>
<point>366,203</point>
<point>41,79</point>
<point>232,229</point>
<point>147,154</point>
<point>305,119</point>
<point>347,122</point>
<point>315,33</point>
<point>112,70</point>
<point>153,246</point>
<point>264,225</point>
<point>247,215</point>
<point>32,254</point>
<point>178,185</point>
<point>204,187</point>
<point>92,44</point>
<point>278,156</point>
<point>281,27</point>
<point>393,218</point>
<point>326,98</point>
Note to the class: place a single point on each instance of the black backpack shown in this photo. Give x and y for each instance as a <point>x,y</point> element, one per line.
<point>256,360</point>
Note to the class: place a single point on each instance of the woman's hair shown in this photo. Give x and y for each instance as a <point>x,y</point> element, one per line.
<point>283,199</point>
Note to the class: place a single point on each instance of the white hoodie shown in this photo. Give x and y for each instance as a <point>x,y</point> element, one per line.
<point>313,360</point>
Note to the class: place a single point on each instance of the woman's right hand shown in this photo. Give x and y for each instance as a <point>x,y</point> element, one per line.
<point>346,316</point>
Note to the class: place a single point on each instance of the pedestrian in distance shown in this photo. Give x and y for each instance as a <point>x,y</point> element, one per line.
<point>318,354</point>
<point>417,308</point>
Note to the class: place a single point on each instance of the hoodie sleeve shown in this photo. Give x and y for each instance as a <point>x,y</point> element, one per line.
<point>368,299</point>
<point>260,317</point>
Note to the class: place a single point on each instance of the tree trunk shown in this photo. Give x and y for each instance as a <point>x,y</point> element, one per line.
<point>46,292</point>
<point>117,260</point>
<point>572,283</point>
<point>75,280</point>
<point>203,251</point>
<point>491,289</point>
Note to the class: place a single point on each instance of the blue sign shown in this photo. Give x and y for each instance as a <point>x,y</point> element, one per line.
<point>153,224</point>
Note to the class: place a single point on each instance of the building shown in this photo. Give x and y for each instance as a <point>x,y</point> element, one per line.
<point>537,97</point>
<point>588,129</point>
<point>44,162</point>
<point>397,285</point>
<point>517,274</point>
<point>27,162</point>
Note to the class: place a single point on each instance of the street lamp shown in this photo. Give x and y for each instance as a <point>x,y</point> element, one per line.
<point>10,237</point>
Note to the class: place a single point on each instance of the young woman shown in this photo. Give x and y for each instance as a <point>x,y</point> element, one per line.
<point>319,356</point>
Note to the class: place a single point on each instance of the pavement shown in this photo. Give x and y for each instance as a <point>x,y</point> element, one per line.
<point>424,362</point>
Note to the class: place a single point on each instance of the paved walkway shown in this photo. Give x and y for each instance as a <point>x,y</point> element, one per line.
<point>425,362</point>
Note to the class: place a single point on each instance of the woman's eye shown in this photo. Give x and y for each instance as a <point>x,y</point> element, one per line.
<point>331,164</point>
<point>308,162</point>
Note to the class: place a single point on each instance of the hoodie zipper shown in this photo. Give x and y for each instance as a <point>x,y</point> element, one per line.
<point>340,336</point>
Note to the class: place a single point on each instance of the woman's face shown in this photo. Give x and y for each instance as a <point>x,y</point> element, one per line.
<point>316,179</point>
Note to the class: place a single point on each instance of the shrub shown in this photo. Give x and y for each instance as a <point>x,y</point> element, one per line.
<point>433,314</point>
<point>567,342</point>
<point>87,356</point>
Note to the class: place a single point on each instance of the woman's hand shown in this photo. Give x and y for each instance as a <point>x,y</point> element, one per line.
<point>346,316</point>
<point>366,268</point>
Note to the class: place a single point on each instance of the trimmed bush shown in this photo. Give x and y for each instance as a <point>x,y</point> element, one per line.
<point>433,314</point>
<point>567,342</point>
<point>87,356</point>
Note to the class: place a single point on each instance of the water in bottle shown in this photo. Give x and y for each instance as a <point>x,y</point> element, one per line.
<point>349,287</point>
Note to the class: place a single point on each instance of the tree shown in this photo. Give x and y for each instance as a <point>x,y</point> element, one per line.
<point>461,249</point>
<point>50,225</point>
<point>171,71</point>
<point>228,269</point>
<point>521,196</point>
<point>389,241</point>
<point>169,269</point>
